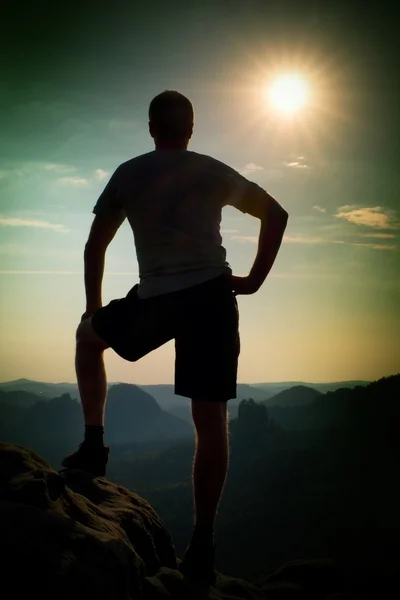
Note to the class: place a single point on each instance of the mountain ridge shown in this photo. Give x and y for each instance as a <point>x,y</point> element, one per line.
<point>298,395</point>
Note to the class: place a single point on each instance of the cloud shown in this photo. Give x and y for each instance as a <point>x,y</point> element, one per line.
<point>267,174</point>
<point>249,169</point>
<point>228,231</point>
<point>73,180</point>
<point>368,216</point>
<point>379,246</point>
<point>58,168</point>
<point>100,174</point>
<point>130,273</point>
<point>41,273</point>
<point>304,240</point>
<point>13,249</point>
<point>3,174</point>
<point>245,239</point>
<point>324,275</point>
<point>253,239</point>
<point>17,222</point>
<point>378,235</point>
<point>319,209</point>
<point>372,246</point>
<point>295,164</point>
<point>119,273</point>
<point>320,240</point>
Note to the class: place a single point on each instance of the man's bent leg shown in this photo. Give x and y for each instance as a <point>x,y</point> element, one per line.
<point>92,455</point>
<point>210,461</point>
<point>91,373</point>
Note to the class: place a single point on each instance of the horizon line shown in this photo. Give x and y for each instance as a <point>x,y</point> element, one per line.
<point>172,384</point>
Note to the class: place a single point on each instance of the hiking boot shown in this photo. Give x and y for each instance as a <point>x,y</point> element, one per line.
<point>88,458</point>
<point>198,563</point>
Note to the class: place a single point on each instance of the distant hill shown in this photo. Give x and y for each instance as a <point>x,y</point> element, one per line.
<point>298,395</point>
<point>166,398</point>
<point>42,389</point>
<point>164,393</point>
<point>134,415</point>
<point>55,426</point>
<point>327,410</point>
<point>276,387</point>
<point>180,406</point>
<point>20,398</point>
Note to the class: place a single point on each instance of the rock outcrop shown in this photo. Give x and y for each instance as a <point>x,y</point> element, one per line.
<point>74,537</point>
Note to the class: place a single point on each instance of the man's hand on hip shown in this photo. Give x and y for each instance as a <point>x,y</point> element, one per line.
<point>244,285</point>
<point>89,312</point>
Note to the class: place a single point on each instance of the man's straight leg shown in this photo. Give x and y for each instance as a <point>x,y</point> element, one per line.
<point>210,467</point>
<point>207,351</point>
<point>210,461</point>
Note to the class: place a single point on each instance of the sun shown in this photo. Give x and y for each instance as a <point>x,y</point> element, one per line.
<point>288,93</point>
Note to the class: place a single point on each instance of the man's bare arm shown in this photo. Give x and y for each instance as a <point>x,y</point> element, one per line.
<point>103,230</point>
<point>273,224</point>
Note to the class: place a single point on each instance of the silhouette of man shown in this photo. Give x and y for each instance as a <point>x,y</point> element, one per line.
<point>173,198</point>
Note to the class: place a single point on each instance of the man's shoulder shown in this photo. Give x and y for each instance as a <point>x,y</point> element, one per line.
<point>135,161</point>
<point>212,163</point>
<point>197,159</point>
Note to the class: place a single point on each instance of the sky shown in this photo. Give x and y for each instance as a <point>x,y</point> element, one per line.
<point>75,85</point>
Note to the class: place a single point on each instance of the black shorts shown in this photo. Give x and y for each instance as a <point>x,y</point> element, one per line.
<point>203,320</point>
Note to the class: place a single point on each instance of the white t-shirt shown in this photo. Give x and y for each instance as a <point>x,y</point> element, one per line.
<point>173,200</point>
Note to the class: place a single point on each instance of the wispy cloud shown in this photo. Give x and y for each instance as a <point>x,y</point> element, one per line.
<point>306,275</point>
<point>304,240</point>
<point>324,275</point>
<point>119,273</point>
<point>366,245</point>
<point>379,246</point>
<point>297,162</point>
<point>319,209</point>
<point>41,272</point>
<point>375,216</point>
<point>58,168</point>
<point>11,272</point>
<point>250,168</point>
<point>378,235</point>
<point>73,180</point>
<point>17,222</point>
<point>100,174</point>
<point>253,239</point>
<point>13,249</point>
<point>245,239</point>
<point>320,240</point>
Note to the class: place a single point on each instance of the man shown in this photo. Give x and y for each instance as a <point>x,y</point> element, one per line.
<point>173,200</point>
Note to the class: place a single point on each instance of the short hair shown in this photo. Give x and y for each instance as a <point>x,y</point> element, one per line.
<point>171,115</point>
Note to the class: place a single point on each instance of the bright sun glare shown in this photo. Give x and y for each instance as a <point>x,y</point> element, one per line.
<point>288,93</point>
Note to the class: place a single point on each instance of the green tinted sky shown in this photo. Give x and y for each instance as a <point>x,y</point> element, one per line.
<point>75,87</point>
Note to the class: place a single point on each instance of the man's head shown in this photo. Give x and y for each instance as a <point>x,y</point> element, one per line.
<point>171,119</point>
